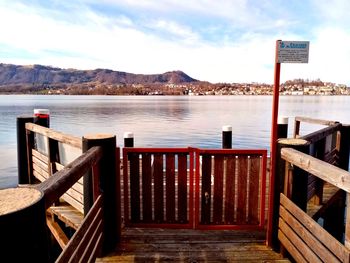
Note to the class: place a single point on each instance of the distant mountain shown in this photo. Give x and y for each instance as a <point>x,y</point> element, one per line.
<point>39,75</point>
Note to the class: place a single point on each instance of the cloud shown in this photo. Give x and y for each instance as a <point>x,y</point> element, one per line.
<point>164,40</point>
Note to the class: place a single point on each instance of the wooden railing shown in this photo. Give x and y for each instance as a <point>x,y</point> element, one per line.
<point>165,179</point>
<point>86,242</point>
<point>188,187</point>
<point>56,160</point>
<point>230,188</point>
<point>299,234</point>
<point>48,152</point>
<point>325,144</point>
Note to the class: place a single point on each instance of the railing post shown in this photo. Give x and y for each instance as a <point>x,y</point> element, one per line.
<point>42,117</point>
<point>110,187</point>
<point>296,129</point>
<point>227,137</point>
<point>280,171</point>
<point>128,139</point>
<point>22,156</point>
<point>282,127</point>
<point>344,147</point>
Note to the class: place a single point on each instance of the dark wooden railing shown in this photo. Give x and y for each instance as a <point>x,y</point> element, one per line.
<point>48,152</point>
<point>299,234</point>
<point>324,144</point>
<point>86,242</point>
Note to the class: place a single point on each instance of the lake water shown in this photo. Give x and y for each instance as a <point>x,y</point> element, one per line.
<point>162,121</point>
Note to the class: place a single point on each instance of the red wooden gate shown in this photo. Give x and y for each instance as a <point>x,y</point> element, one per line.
<point>158,187</point>
<point>194,188</point>
<point>230,189</point>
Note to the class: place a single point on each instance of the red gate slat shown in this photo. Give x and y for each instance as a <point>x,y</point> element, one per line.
<point>206,189</point>
<point>170,188</point>
<point>253,197</point>
<point>242,189</point>
<point>146,187</point>
<point>134,187</point>
<point>230,189</point>
<point>182,188</point>
<point>158,188</point>
<point>218,188</point>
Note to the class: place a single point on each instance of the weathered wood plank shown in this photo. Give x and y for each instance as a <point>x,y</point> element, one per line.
<point>313,243</point>
<point>323,170</point>
<point>158,188</point>
<point>347,222</point>
<point>91,220</point>
<point>73,202</point>
<point>58,233</point>
<point>166,245</point>
<point>40,164</point>
<point>242,189</point>
<point>230,189</point>
<point>43,172</point>
<point>86,245</point>
<point>134,186</point>
<point>253,197</point>
<point>68,214</point>
<point>218,188</point>
<point>333,245</point>
<point>146,187</point>
<point>182,188</point>
<point>299,243</point>
<point>297,256</point>
<point>170,188</point>
<point>315,121</point>
<point>59,136</point>
<point>206,189</point>
<point>321,134</point>
<point>39,176</point>
<point>57,185</point>
<point>42,157</point>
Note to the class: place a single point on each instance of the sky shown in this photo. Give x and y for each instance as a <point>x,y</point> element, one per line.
<point>211,40</point>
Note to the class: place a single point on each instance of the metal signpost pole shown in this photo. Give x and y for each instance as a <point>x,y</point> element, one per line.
<point>276,87</point>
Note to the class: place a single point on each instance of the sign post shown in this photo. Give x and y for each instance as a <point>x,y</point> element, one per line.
<point>286,52</point>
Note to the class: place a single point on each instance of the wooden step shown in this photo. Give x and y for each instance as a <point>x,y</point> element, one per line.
<point>67,214</point>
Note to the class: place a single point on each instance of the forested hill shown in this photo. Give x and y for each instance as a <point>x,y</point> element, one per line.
<point>45,75</point>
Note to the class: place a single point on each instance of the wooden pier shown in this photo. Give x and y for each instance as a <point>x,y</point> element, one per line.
<point>193,246</point>
<point>189,204</point>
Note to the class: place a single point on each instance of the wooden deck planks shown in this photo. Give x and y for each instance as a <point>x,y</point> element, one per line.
<point>160,245</point>
<point>68,214</point>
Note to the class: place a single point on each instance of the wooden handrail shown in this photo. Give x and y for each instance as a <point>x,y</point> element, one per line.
<point>315,121</point>
<point>61,181</point>
<point>58,136</point>
<point>316,167</point>
<point>321,134</point>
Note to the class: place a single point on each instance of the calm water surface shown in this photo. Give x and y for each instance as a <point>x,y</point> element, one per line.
<point>162,121</point>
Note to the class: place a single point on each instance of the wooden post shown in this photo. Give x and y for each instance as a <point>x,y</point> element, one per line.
<point>300,177</point>
<point>24,237</point>
<point>42,117</point>
<point>296,129</point>
<point>128,139</point>
<point>344,147</point>
<point>280,182</point>
<point>110,187</point>
<point>22,156</point>
<point>227,137</point>
<point>282,127</point>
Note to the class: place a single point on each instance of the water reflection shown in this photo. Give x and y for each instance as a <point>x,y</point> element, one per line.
<point>163,121</point>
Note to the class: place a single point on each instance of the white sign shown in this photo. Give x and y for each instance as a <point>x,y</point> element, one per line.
<point>293,52</point>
